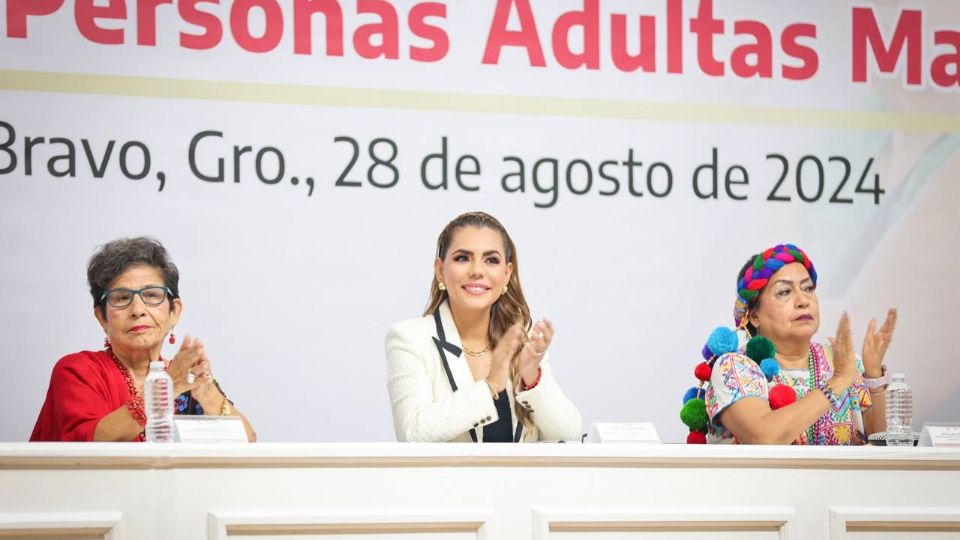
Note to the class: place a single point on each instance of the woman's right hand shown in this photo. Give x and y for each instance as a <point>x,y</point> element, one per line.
<point>503,354</point>
<point>844,355</point>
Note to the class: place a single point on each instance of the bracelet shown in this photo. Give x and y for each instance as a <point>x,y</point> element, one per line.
<point>493,391</point>
<point>880,383</point>
<point>535,382</point>
<point>227,408</point>
<point>831,396</point>
<point>135,406</point>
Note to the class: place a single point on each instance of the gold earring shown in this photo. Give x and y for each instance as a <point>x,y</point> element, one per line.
<point>504,290</point>
<point>441,286</point>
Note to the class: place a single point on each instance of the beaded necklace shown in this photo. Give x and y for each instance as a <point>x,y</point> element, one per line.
<point>135,401</point>
<point>813,383</point>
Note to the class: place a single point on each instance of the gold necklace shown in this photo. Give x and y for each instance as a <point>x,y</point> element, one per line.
<point>481,352</point>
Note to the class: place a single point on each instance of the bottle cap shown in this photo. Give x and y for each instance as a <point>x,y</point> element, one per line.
<point>898,376</point>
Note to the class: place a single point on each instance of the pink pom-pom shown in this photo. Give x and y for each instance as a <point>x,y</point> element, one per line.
<point>702,372</point>
<point>782,395</point>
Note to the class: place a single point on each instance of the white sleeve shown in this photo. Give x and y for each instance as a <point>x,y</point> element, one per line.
<point>417,415</point>
<point>555,416</point>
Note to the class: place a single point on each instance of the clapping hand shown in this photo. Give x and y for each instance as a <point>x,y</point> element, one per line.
<point>503,353</point>
<point>190,368</point>
<point>844,356</point>
<point>875,344</point>
<point>533,350</point>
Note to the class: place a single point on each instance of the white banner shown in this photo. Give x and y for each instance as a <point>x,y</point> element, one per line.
<point>299,167</point>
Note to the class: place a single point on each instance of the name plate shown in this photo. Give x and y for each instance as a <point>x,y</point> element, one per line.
<point>210,429</point>
<point>942,435</point>
<point>626,432</point>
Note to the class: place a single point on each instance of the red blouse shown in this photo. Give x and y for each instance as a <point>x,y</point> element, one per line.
<point>84,387</point>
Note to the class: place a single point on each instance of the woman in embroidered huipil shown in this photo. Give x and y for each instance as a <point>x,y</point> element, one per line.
<point>98,395</point>
<point>839,397</point>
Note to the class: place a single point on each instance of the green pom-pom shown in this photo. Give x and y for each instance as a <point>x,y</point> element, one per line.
<point>694,414</point>
<point>759,348</point>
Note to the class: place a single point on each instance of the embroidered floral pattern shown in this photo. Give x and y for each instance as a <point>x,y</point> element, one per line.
<point>735,376</point>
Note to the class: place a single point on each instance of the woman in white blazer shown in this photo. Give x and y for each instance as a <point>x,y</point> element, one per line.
<point>474,367</point>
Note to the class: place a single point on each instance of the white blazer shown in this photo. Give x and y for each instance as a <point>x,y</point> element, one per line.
<point>425,407</point>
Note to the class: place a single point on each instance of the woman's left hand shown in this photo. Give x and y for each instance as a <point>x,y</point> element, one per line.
<point>190,367</point>
<point>532,352</point>
<point>875,344</point>
<point>204,391</point>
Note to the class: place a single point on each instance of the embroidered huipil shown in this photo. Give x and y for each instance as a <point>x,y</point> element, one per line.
<point>735,376</point>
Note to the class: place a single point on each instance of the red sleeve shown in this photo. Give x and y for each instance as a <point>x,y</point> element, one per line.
<point>82,391</point>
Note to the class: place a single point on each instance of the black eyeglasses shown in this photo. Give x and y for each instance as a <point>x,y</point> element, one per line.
<point>121,298</point>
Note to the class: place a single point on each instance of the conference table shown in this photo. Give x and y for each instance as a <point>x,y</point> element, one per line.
<point>360,491</point>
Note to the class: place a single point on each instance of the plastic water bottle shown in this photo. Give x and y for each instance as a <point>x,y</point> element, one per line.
<point>899,411</point>
<point>158,402</point>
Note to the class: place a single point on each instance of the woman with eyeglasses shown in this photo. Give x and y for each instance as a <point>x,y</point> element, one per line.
<point>98,395</point>
<point>475,367</point>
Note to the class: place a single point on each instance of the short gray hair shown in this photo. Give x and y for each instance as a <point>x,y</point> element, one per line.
<point>115,257</point>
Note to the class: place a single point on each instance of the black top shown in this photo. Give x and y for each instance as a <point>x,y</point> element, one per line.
<point>499,431</point>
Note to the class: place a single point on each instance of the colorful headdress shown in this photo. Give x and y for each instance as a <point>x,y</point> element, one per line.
<point>756,276</point>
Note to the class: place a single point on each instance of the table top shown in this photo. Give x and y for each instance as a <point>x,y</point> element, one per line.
<point>177,455</point>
